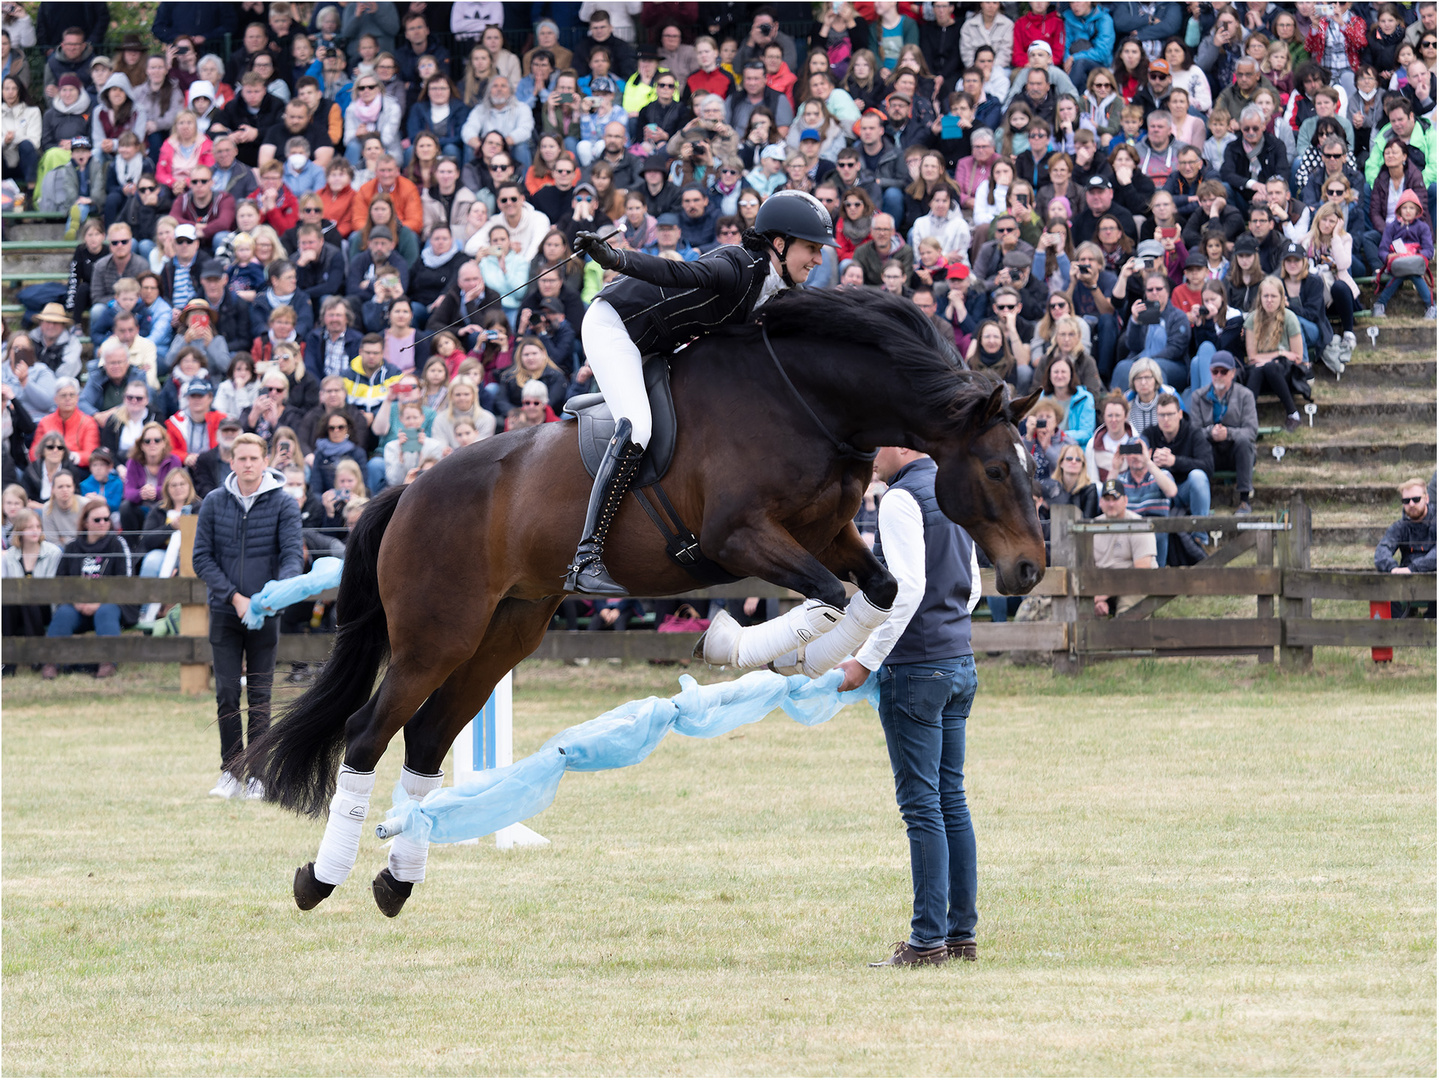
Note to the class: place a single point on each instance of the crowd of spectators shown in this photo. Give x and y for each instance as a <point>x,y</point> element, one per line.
<point>351,234</point>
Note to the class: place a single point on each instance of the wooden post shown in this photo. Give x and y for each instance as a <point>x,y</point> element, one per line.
<point>1264,556</point>
<point>194,618</point>
<point>1294,555</point>
<point>1062,554</point>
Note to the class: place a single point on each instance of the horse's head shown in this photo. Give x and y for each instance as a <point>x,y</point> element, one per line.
<point>983,483</point>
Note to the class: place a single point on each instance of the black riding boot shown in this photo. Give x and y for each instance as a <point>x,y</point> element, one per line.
<point>587,573</point>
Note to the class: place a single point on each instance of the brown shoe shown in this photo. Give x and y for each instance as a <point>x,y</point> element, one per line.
<point>49,671</point>
<point>906,955</point>
<point>964,950</point>
<point>106,670</point>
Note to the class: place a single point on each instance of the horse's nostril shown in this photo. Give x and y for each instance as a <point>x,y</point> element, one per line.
<point>1028,574</point>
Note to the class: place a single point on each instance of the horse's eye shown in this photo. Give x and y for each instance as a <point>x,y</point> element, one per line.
<point>994,472</point>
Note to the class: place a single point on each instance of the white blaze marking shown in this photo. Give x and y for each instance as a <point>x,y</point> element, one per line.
<point>1023,458</point>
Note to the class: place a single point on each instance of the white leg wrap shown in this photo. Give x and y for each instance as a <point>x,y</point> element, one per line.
<point>726,642</point>
<point>860,620</point>
<point>340,846</point>
<point>408,856</point>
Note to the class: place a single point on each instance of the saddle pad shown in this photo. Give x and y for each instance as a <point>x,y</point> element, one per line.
<point>597,425</point>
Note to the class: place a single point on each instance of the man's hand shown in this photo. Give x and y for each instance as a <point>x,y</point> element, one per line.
<point>1101,605</point>
<point>90,609</point>
<point>1401,570</point>
<point>608,615</point>
<point>241,604</point>
<point>855,675</point>
<point>1219,433</point>
<point>591,244</point>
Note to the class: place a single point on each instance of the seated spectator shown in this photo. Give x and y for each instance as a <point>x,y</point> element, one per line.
<point>331,345</point>
<point>332,399</point>
<point>57,345</point>
<point>368,378</point>
<point>1074,400</point>
<point>184,151</point>
<point>22,134</point>
<point>95,553</point>
<point>347,483</point>
<point>532,363</point>
<point>1146,383</point>
<point>411,446</point>
<point>120,432</point>
<point>103,480</point>
<point>990,353</point>
<point>446,200</point>
<point>371,111</point>
<point>462,407</point>
<point>335,442</point>
<point>533,409</point>
<point>381,212</point>
<point>28,555</point>
<point>1114,431</point>
<point>68,117</point>
<point>150,460</point>
<point>192,431</point>
<point>304,388</point>
<point>1120,550</point>
<point>1330,248</point>
<point>1273,345</point>
<point>503,268</point>
<point>61,513</point>
<point>213,466</point>
<point>883,244</point>
<point>1158,331</point>
<point>278,205</point>
<point>1177,446</point>
<point>338,196</point>
<point>1407,546</point>
<point>1226,412</point>
<point>1216,326</point>
<point>1304,296</point>
<point>178,497</point>
<point>1068,345</point>
<point>272,409</point>
<point>105,389</point>
<point>211,212</point>
<point>1252,157</point>
<point>1072,484</point>
<point>378,255</point>
<point>1148,490</point>
<point>52,457</point>
<point>1044,434</point>
<point>80,432</point>
<point>1408,250</point>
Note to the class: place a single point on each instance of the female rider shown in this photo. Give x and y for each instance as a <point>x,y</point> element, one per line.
<point>658,305</point>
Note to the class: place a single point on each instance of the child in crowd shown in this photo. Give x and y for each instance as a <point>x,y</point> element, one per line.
<point>1131,127</point>
<point>1219,138</point>
<point>247,276</point>
<point>104,481</point>
<point>1408,248</point>
<point>126,298</point>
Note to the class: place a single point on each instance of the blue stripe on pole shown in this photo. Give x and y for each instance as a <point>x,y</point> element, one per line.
<point>484,749</point>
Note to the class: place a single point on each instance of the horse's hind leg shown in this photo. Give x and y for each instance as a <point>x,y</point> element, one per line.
<point>515,632</point>
<point>404,689</point>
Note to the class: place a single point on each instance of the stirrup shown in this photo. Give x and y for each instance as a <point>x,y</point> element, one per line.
<point>617,470</point>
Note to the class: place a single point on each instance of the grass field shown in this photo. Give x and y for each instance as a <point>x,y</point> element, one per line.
<point>1185,868</point>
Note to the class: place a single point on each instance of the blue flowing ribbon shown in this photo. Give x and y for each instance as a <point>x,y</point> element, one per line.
<point>623,736</point>
<point>323,574</point>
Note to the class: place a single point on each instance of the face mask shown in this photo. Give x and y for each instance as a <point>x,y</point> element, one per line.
<point>295,491</point>
<point>297,162</point>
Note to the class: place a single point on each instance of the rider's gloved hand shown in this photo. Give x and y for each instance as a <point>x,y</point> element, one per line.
<point>591,244</point>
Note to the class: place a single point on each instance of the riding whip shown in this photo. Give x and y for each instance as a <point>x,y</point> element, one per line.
<point>606,237</point>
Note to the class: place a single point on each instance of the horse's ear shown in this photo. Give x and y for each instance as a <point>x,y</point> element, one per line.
<point>1018,410</point>
<point>994,407</point>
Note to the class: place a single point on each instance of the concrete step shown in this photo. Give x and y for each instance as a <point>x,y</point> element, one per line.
<point>1392,333</point>
<point>1277,495</point>
<point>32,226</point>
<point>1352,412</point>
<point>1362,453</point>
<point>1387,372</point>
<point>52,257</point>
<point>1348,534</point>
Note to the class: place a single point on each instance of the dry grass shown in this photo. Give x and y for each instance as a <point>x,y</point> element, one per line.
<point>1185,868</point>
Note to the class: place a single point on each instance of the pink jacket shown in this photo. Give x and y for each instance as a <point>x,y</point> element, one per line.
<point>167,168</point>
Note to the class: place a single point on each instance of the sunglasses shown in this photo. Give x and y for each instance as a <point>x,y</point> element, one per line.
<point>1216,371</point>
<point>119,243</point>
<point>727,171</point>
<point>1006,307</point>
<point>135,397</point>
<point>368,86</point>
<point>1413,501</point>
<point>147,190</point>
<point>312,209</point>
<point>185,240</point>
<point>500,165</point>
<point>152,442</point>
<point>98,520</point>
<point>511,199</point>
<point>1058,307</point>
<point>1103,86</point>
<point>54,446</point>
<point>1427,43</point>
<point>1335,191</point>
<point>275,389</point>
<point>664,86</point>
<point>1157,76</point>
<point>1007,229</point>
<point>1250,130</point>
<point>1335,157</point>
<point>337,427</point>
<point>199,179</point>
<point>532,402</point>
<point>584,198</point>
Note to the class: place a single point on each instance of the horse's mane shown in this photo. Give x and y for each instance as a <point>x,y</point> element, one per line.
<point>893,327</point>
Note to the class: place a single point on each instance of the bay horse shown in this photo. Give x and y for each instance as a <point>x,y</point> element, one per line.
<point>454,577</point>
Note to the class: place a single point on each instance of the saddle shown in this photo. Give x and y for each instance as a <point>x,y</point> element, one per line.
<point>596,426</point>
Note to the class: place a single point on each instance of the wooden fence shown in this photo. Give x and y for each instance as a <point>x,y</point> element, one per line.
<point>1070,634</point>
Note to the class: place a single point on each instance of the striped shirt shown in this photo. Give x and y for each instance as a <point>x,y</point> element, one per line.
<point>1145,498</point>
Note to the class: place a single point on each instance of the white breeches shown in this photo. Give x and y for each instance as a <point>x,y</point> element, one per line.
<point>618,368</point>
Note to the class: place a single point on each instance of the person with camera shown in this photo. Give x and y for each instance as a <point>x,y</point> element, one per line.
<point>1158,330</point>
<point>1091,288</point>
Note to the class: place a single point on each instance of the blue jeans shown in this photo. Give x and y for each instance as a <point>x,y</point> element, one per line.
<point>1387,293</point>
<point>892,202</point>
<point>375,474</point>
<point>68,622</point>
<point>151,563</point>
<point>1310,334</point>
<point>923,709</point>
<point>1199,370</point>
<point>1104,334</point>
<point>1002,607</point>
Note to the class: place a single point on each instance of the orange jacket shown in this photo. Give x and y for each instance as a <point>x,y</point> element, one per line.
<point>339,207</point>
<point>80,432</point>
<point>406,198</point>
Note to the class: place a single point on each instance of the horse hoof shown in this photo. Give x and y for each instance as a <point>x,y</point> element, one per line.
<point>309,890</point>
<point>390,893</point>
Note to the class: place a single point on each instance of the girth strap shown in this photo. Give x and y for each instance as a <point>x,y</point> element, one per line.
<point>681,545</point>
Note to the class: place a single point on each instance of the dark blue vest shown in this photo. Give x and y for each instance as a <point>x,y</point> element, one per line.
<point>939,629</point>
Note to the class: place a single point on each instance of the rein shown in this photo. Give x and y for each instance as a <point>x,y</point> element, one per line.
<point>844,449</point>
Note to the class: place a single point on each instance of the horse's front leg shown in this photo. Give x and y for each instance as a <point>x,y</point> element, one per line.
<point>848,557</point>
<point>765,550</point>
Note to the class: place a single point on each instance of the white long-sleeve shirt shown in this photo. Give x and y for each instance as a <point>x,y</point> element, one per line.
<point>901,524</point>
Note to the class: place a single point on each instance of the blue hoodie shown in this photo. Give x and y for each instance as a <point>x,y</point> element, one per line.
<point>1097,28</point>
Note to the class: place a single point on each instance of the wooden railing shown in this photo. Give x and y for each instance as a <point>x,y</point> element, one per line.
<point>1282,625</point>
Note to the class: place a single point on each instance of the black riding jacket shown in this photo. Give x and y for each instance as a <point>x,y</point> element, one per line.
<point>665,303</point>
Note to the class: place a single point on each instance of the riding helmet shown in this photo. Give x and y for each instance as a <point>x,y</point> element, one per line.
<point>797,215</point>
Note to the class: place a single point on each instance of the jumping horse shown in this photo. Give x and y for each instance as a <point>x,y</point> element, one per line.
<point>453,578</point>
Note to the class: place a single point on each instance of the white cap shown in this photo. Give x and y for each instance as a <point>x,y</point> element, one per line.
<point>186,232</point>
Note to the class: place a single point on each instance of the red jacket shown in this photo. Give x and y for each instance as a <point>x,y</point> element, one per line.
<point>1356,37</point>
<point>80,432</point>
<point>406,198</point>
<point>338,208</point>
<point>286,214</point>
<point>180,422</point>
<point>717,81</point>
<point>1031,28</point>
<point>218,218</point>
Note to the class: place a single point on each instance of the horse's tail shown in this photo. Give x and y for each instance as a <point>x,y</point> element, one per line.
<point>297,757</point>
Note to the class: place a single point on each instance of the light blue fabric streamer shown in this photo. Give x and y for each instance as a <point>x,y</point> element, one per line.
<point>324,574</point>
<point>623,736</point>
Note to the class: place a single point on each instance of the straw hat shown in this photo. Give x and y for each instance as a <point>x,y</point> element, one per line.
<point>54,313</point>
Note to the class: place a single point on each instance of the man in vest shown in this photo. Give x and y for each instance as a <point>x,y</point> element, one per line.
<point>926,685</point>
